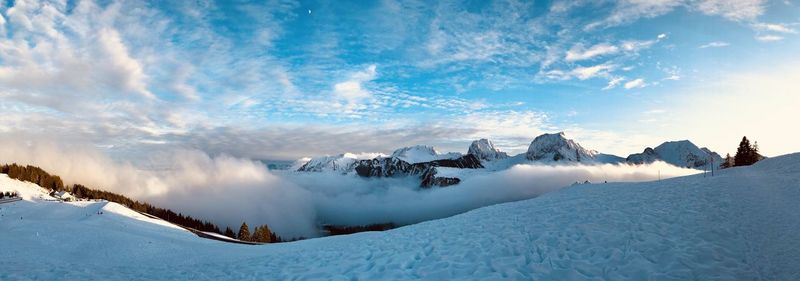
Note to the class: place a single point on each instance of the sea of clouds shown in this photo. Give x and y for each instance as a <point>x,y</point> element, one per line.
<point>228,190</point>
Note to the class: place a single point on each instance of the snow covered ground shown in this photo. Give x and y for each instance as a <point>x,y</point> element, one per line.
<point>739,225</point>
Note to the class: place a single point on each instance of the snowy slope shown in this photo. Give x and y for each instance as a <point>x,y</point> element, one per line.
<point>740,225</point>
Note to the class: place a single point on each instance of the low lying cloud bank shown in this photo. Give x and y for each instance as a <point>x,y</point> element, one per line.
<point>229,190</point>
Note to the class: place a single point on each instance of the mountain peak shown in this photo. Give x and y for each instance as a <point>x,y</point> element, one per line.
<point>421,153</point>
<point>484,149</point>
<point>557,147</point>
<point>681,153</point>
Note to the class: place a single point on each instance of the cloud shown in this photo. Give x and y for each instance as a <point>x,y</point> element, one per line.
<point>628,11</point>
<point>636,83</point>
<point>221,188</point>
<point>635,45</point>
<point>584,73</point>
<point>401,202</point>
<point>123,69</point>
<point>228,190</point>
<point>181,83</point>
<point>715,44</point>
<point>734,10</point>
<point>352,89</point>
<point>580,72</point>
<point>775,27</point>
<point>578,52</point>
<point>511,131</point>
<point>613,83</point>
<point>769,38</point>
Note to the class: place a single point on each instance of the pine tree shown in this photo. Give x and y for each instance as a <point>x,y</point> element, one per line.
<point>728,162</point>
<point>244,232</point>
<point>229,233</point>
<point>262,234</point>
<point>743,153</point>
<point>756,157</point>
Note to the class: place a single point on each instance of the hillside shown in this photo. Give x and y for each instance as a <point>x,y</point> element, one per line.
<point>740,225</point>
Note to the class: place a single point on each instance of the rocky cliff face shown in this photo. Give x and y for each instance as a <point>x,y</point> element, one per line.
<point>393,167</point>
<point>647,156</point>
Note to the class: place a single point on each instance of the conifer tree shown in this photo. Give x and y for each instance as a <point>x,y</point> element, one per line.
<point>744,153</point>
<point>229,233</point>
<point>728,162</point>
<point>244,232</point>
<point>262,234</point>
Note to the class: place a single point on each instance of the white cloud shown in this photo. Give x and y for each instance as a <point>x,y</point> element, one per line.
<point>636,83</point>
<point>662,36</point>
<point>628,11</point>
<point>510,130</point>
<point>584,73</point>
<point>774,27</point>
<point>769,38</point>
<point>715,44</point>
<point>613,83</point>
<point>181,85</point>
<point>735,10</point>
<point>634,45</point>
<point>579,72</point>
<point>352,89</point>
<point>124,70</point>
<point>578,52</point>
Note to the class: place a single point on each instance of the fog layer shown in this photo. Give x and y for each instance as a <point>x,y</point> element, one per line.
<point>228,190</point>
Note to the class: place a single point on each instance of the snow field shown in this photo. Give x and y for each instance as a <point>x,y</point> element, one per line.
<point>739,225</point>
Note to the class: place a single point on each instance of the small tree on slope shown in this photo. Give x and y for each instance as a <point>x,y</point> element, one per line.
<point>244,232</point>
<point>746,154</point>
<point>229,232</point>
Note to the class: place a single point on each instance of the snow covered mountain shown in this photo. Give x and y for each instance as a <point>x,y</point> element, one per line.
<point>419,160</point>
<point>335,163</point>
<point>421,153</point>
<point>422,161</point>
<point>679,153</point>
<point>484,149</point>
<point>556,147</point>
<point>395,166</point>
<point>739,225</point>
<point>342,163</point>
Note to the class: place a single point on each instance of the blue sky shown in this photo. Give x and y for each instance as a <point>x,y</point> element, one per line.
<point>285,79</point>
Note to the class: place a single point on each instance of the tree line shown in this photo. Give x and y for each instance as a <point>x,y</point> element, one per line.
<point>54,183</point>
<point>746,155</point>
<point>262,234</point>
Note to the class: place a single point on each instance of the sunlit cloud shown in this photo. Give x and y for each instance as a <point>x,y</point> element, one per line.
<point>715,44</point>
